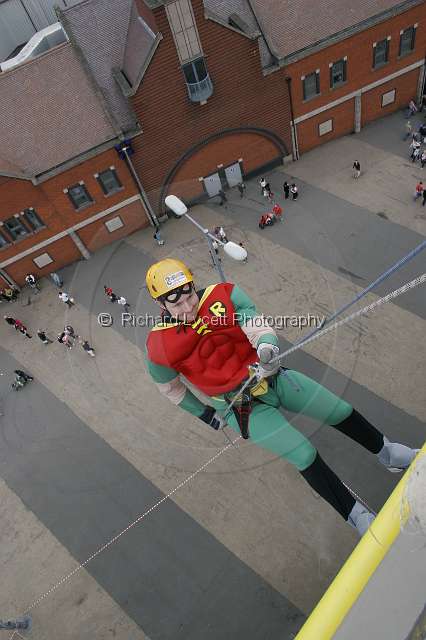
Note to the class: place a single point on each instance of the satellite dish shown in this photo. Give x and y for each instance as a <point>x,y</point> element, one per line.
<point>176,205</point>
<point>234,251</point>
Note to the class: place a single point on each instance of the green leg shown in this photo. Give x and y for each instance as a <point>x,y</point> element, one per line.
<point>270,430</point>
<point>301,394</point>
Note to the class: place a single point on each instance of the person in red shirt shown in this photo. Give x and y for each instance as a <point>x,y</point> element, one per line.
<point>212,338</point>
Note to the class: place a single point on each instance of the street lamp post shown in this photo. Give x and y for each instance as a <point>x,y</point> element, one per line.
<point>231,249</point>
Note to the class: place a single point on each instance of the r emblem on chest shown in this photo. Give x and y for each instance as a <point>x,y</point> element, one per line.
<point>218,309</point>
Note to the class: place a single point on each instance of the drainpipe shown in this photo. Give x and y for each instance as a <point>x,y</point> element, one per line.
<point>151,215</point>
<point>295,148</point>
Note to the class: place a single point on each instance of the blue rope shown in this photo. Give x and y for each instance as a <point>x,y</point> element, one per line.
<point>364,292</point>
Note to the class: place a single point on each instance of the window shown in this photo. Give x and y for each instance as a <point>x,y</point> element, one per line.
<point>15,228</point>
<point>337,73</point>
<point>406,41</point>
<point>311,85</point>
<point>3,240</point>
<point>195,71</point>
<point>109,181</point>
<point>182,23</point>
<point>79,196</point>
<point>380,52</point>
<point>33,219</point>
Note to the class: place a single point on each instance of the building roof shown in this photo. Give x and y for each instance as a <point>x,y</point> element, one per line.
<point>291,26</point>
<point>99,29</point>
<point>139,46</point>
<point>49,113</point>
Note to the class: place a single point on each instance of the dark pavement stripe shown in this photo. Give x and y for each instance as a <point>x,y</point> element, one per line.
<point>168,573</point>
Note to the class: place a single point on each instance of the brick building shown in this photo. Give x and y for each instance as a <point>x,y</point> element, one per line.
<point>64,191</point>
<point>210,92</point>
<point>224,89</point>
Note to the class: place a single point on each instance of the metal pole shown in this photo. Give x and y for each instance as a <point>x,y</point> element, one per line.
<point>152,217</point>
<point>209,237</point>
<point>295,149</point>
<point>216,262</point>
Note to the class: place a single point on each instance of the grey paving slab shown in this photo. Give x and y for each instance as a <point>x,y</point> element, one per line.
<point>337,236</point>
<point>169,574</point>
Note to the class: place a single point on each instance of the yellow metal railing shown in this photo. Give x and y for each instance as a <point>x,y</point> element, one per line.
<point>359,567</point>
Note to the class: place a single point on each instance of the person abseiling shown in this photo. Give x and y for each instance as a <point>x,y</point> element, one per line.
<point>212,336</point>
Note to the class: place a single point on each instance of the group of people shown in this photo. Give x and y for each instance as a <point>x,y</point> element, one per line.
<point>416,152</point>
<point>114,298</point>
<point>67,337</point>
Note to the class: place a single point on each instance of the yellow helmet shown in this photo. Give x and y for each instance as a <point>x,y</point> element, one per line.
<point>166,275</point>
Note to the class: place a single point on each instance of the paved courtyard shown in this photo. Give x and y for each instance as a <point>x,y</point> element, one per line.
<point>244,549</point>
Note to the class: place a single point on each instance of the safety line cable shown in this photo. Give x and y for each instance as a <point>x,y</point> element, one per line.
<point>322,332</point>
<point>130,526</point>
<point>412,254</point>
<point>391,296</point>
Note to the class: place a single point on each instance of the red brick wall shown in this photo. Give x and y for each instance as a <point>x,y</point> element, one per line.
<point>242,97</point>
<point>254,149</point>
<point>96,235</point>
<point>343,123</point>
<point>62,252</point>
<point>57,212</point>
<point>372,100</point>
<point>359,50</point>
<point>360,73</point>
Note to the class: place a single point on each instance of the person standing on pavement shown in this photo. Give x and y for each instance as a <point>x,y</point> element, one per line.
<point>66,299</point>
<point>157,237</point>
<point>31,281</point>
<point>19,326</point>
<point>65,339</point>
<point>416,154</point>
<point>10,320</point>
<point>408,130</point>
<point>294,191</point>
<point>241,188</point>
<point>415,144</point>
<point>286,188</point>
<point>419,190</point>
<point>43,337</point>
<point>423,158</point>
<point>424,197</point>
<point>87,348</point>
<point>222,196</point>
<point>357,168</point>
<point>57,280</point>
<point>262,183</point>
<point>123,302</point>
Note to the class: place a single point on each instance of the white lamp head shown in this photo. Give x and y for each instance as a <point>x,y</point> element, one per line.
<point>176,205</point>
<point>234,251</point>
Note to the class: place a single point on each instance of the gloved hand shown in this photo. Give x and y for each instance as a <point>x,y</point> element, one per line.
<point>213,418</point>
<point>266,353</point>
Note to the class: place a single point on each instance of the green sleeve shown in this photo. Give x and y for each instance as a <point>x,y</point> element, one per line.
<point>162,374</point>
<point>245,310</point>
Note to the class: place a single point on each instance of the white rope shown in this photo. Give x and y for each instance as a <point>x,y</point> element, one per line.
<point>322,332</point>
<point>135,522</point>
<point>363,311</point>
<point>398,292</point>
